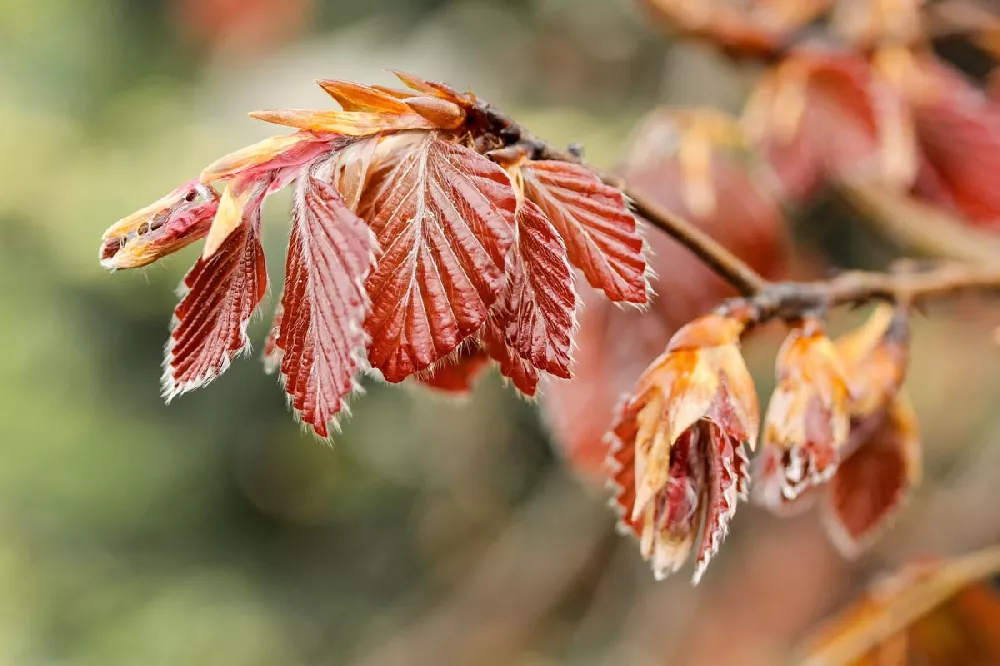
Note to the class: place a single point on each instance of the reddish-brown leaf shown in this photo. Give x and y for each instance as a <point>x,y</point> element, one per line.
<point>460,376</point>
<point>221,294</point>
<point>958,132</point>
<point>324,305</point>
<point>873,483</point>
<point>521,373</point>
<point>595,223</point>
<point>444,218</point>
<point>539,299</point>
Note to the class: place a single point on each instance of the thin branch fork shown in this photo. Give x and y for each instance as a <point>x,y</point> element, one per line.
<point>769,300</point>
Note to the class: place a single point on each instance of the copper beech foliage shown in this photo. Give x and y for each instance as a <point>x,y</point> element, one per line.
<point>432,237</point>
<point>414,250</point>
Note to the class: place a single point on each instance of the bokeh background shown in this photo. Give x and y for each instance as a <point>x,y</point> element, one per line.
<point>434,531</point>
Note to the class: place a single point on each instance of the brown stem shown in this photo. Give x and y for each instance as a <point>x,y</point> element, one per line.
<point>789,300</point>
<point>765,300</point>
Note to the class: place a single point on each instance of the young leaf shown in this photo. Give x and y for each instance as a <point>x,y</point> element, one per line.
<point>443,216</point>
<point>221,294</point>
<point>540,296</point>
<point>875,481</point>
<point>595,223</point>
<point>276,152</point>
<point>323,308</point>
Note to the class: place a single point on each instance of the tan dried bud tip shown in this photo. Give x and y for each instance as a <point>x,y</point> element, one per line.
<point>678,446</point>
<point>161,228</point>
<point>875,358</point>
<point>807,421</point>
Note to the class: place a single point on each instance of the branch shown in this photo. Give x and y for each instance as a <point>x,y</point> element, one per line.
<point>790,300</point>
<point>761,299</point>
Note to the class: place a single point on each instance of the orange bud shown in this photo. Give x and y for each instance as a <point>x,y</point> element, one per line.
<point>808,418</point>
<point>875,358</point>
<point>348,123</point>
<point>440,112</point>
<point>678,451</point>
<point>357,97</point>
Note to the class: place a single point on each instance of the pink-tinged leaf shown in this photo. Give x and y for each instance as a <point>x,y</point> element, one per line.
<point>288,151</point>
<point>539,299</point>
<point>595,223</point>
<point>458,377</point>
<point>444,218</point>
<point>521,373</point>
<point>321,334</point>
<point>221,294</point>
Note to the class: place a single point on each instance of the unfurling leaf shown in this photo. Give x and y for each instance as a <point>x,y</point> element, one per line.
<point>221,294</point>
<point>321,332</point>
<point>161,228</point>
<point>808,418</point>
<point>874,482</point>
<point>288,151</point>
<point>678,458</point>
<point>594,222</point>
<point>444,218</point>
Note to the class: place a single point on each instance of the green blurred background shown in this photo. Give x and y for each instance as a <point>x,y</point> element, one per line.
<point>213,531</point>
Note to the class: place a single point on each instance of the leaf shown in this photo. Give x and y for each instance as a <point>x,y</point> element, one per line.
<point>323,308</point>
<point>613,345</point>
<point>457,377</point>
<point>539,298</point>
<point>521,373</point>
<point>443,216</point>
<point>958,131</point>
<point>594,222</point>
<point>874,482</point>
<point>276,152</point>
<point>221,294</point>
